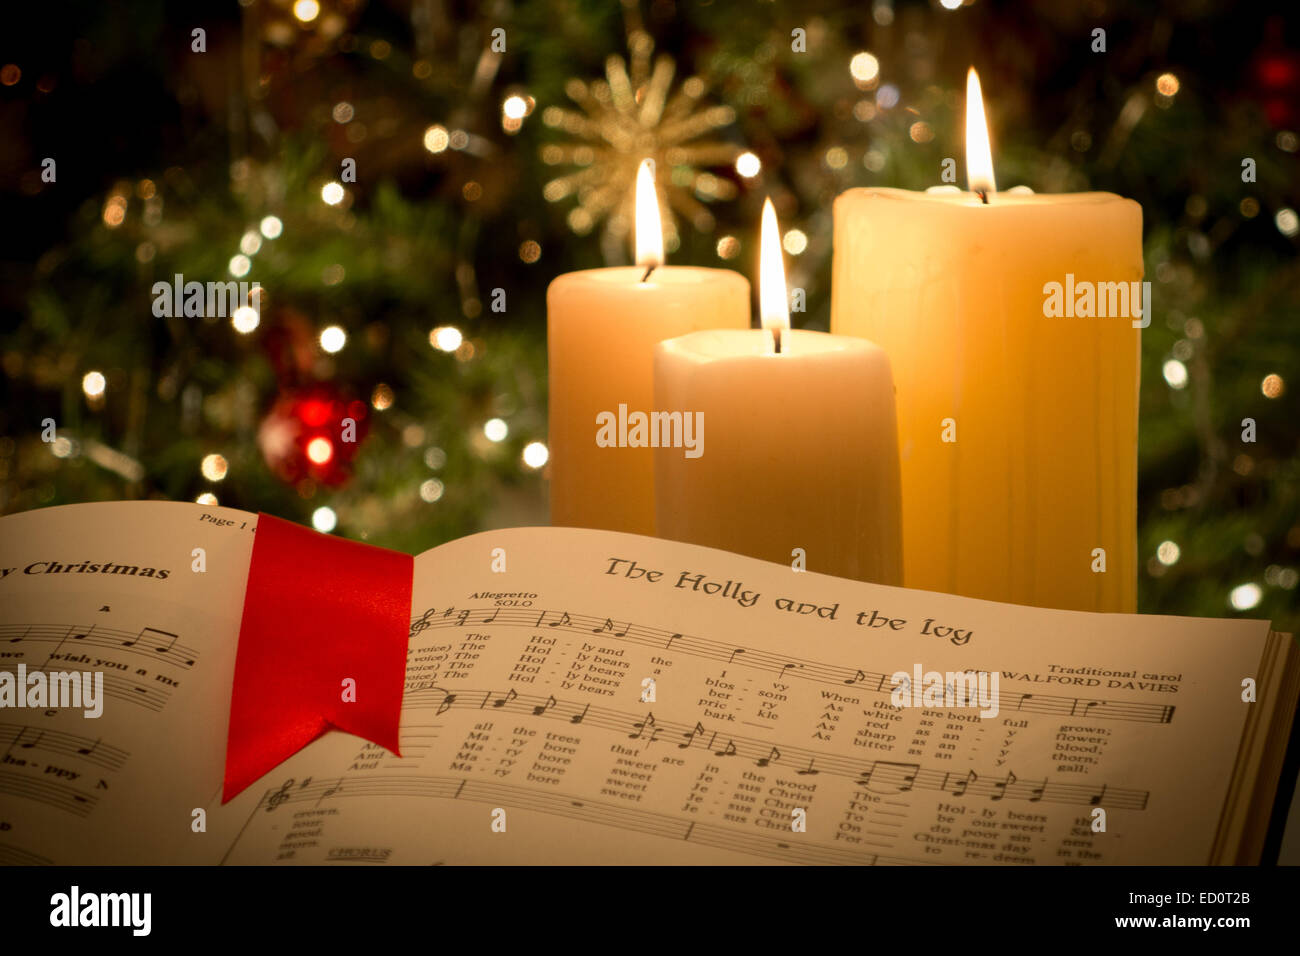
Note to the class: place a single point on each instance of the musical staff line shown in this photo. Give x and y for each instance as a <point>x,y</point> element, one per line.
<point>60,796</point>
<point>121,688</point>
<point>157,645</point>
<point>25,737</point>
<point>789,849</point>
<point>15,856</point>
<point>870,682</point>
<point>878,776</point>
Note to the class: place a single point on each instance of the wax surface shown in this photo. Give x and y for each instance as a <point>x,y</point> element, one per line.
<point>602,327</point>
<point>1044,467</point>
<point>800,451</point>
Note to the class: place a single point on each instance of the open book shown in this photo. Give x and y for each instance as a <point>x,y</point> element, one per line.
<point>611,698</point>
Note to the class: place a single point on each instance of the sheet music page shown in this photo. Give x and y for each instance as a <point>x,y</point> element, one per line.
<point>610,699</point>
<point>526,737</point>
<point>113,589</point>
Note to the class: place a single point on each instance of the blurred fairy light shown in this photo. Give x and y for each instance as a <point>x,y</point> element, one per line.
<point>1245,596</point>
<point>495,429</point>
<point>320,450</point>
<point>332,193</point>
<point>1168,553</point>
<point>865,69</point>
<point>748,165</point>
<point>250,243</point>
<point>61,447</point>
<point>333,338</point>
<point>431,490</point>
<point>381,399</point>
<point>728,247</point>
<point>887,96</point>
<point>213,467</point>
<point>446,338</point>
<point>93,384</point>
<point>435,457</point>
<point>343,112</point>
<point>514,107</point>
<point>239,265</point>
<point>271,227</point>
<point>324,520</point>
<point>530,251</point>
<point>1175,373</point>
<point>1272,386</point>
<point>245,319</point>
<point>114,211</point>
<point>1167,84</point>
<point>207,498</point>
<point>1287,222</point>
<point>535,454</point>
<point>306,10</point>
<point>795,241</point>
<point>950,4</point>
<point>436,139</point>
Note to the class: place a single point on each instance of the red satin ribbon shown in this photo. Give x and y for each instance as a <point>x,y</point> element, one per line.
<point>317,610</point>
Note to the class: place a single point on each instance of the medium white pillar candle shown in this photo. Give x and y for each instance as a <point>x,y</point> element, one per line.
<point>799,450</point>
<point>602,327</point>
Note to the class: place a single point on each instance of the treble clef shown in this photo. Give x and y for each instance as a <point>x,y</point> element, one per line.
<point>422,623</point>
<point>279,796</point>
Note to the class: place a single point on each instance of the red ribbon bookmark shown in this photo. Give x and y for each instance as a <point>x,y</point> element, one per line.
<point>317,611</point>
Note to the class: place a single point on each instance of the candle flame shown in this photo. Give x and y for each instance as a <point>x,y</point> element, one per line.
<point>979,157</point>
<point>649,230</point>
<point>773,308</point>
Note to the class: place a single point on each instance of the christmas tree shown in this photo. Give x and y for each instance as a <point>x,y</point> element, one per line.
<point>402,180</point>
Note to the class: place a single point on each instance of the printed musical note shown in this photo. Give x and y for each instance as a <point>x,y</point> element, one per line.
<point>279,796</point>
<point>492,617</point>
<point>1036,794</point>
<point>888,776</point>
<point>447,701</point>
<point>334,788</point>
<point>506,699</point>
<point>690,737</point>
<point>154,630</point>
<point>31,743</point>
<point>859,676</point>
<point>764,761</point>
<point>809,771</point>
<point>1023,698</point>
<point>670,641</point>
<point>962,786</point>
<point>786,667</point>
<point>1097,797</point>
<point>1000,788</point>
<point>87,751</point>
<point>543,708</point>
<point>562,622</point>
<point>727,751</point>
<point>1087,707</point>
<point>739,650</point>
<point>579,718</point>
<point>641,726</point>
<point>609,626</point>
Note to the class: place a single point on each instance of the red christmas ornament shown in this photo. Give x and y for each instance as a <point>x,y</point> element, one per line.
<point>313,432</point>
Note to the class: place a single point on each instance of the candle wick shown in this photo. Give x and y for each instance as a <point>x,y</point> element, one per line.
<point>984,196</point>
<point>649,269</point>
<point>776,340</point>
